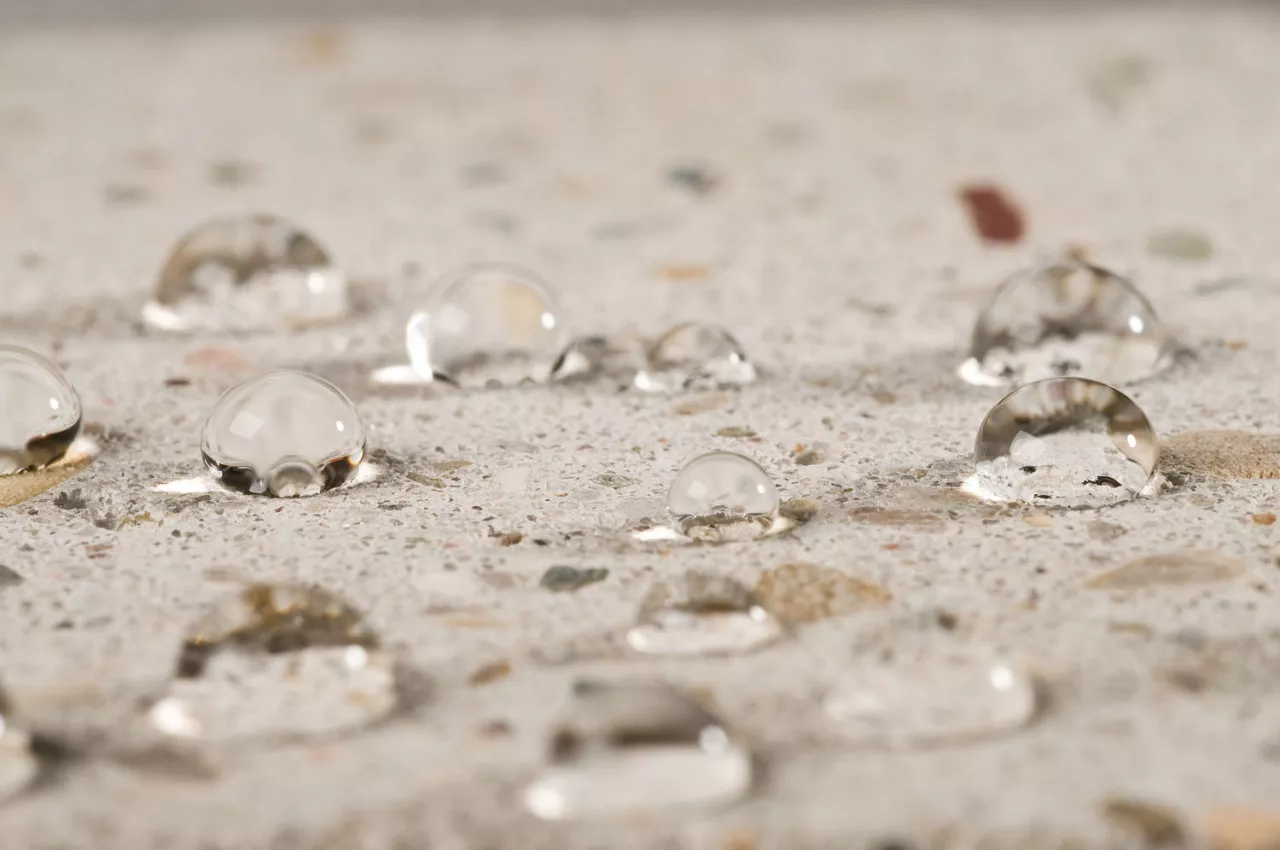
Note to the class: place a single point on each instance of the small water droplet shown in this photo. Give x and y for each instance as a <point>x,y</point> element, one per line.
<point>722,496</point>
<point>702,614</point>
<point>1066,442</point>
<point>929,694</point>
<point>1066,318</point>
<point>487,325</point>
<point>39,411</point>
<point>18,765</point>
<point>277,661</point>
<point>251,273</point>
<point>635,748</point>
<point>283,433</point>
<point>694,356</point>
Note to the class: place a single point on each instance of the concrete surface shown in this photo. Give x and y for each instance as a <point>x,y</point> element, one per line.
<point>832,242</point>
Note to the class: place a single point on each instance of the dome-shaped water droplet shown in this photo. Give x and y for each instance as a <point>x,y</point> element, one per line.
<point>251,273</point>
<point>283,433</point>
<point>1066,442</point>
<point>486,325</point>
<point>637,748</point>
<point>39,411</point>
<point>702,614</point>
<point>722,496</point>
<point>277,661</point>
<point>695,356</point>
<point>929,694</point>
<point>18,765</point>
<point>1066,318</point>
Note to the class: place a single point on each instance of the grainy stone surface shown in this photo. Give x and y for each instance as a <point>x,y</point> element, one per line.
<point>827,234</point>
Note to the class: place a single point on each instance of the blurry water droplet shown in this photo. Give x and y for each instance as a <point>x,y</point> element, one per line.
<point>252,273</point>
<point>722,496</point>
<point>18,765</point>
<point>277,661</point>
<point>636,748</point>
<point>39,411</point>
<point>1069,442</point>
<point>283,433</point>
<point>929,694</point>
<point>486,325</point>
<point>693,356</point>
<point>1066,318</point>
<point>702,614</point>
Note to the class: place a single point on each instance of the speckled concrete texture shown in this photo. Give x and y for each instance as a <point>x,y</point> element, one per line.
<point>829,236</point>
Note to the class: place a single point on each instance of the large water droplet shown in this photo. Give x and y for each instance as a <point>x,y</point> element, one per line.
<point>18,765</point>
<point>39,411</point>
<point>250,273</point>
<point>635,748</point>
<point>702,614</point>
<point>1066,318</point>
<point>694,356</point>
<point>283,433</point>
<point>277,661</point>
<point>930,694</point>
<point>721,496</point>
<point>486,325</point>
<point>1066,442</point>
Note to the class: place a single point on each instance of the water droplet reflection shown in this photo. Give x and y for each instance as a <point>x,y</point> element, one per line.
<point>39,411</point>
<point>702,614</point>
<point>695,356</point>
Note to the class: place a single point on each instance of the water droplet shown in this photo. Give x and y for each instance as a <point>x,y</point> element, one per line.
<point>277,661</point>
<point>1067,442</point>
<point>18,765</point>
<point>251,273</point>
<point>283,433</point>
<point>487,325</point>
<point>721,496</point>
<point>634,748</point>
<point>929,694</point>
<point>694,356</point>
<point>1066,318</point>
<point>39,411</point>
<point>702,614</point>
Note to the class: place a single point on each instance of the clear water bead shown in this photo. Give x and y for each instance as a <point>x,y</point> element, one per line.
<point>39,411</point>
<point>1067,442</point>
<point>283,433</point>
<point>702,614</point>
<point>722,496</point>
<point>245,274</point>
<point>486,325</point>
<point>929,694</point>
<point>695,356</point>
<point>277,660</point>
<point>637,748</point>
<point>1066,318</point>
<point>18,764</point>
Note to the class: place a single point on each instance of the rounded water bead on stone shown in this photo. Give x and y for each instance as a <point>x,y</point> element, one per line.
<point>1068,442</point>
<point>277,660</point>
<point>636,748</point>
<point>695,356</point>
<point>1066,318</point>
<point>283,433</point>
<point>702,614</point>
<point>722,495</point>
<point>243,274</point>
<point>487,325</point>
<point>39,411</point>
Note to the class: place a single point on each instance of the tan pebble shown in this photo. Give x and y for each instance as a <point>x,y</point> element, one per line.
<point>1188,567</point>
<point>898,518</point>
<point>1038,520</point>
<point>1240,828</point>
<point>1155,825</point>
<point>1264,519</point>
<point>804,593</point>
<point>1222,454</point>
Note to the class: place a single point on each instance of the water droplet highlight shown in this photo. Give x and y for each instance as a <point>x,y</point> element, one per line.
<point>18,765</point>
<point>702,614</point>
<point>1066,442</point>
<point>283,433</point>
<point>487,325</point>
<point>246,274</point>
<point>931,694</point>
<point>1062,319</point>
<point>722,496</point>
<point>695,356</point>
<point>277,660</point>
<point>634,748</point>
<point>39,411</point>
